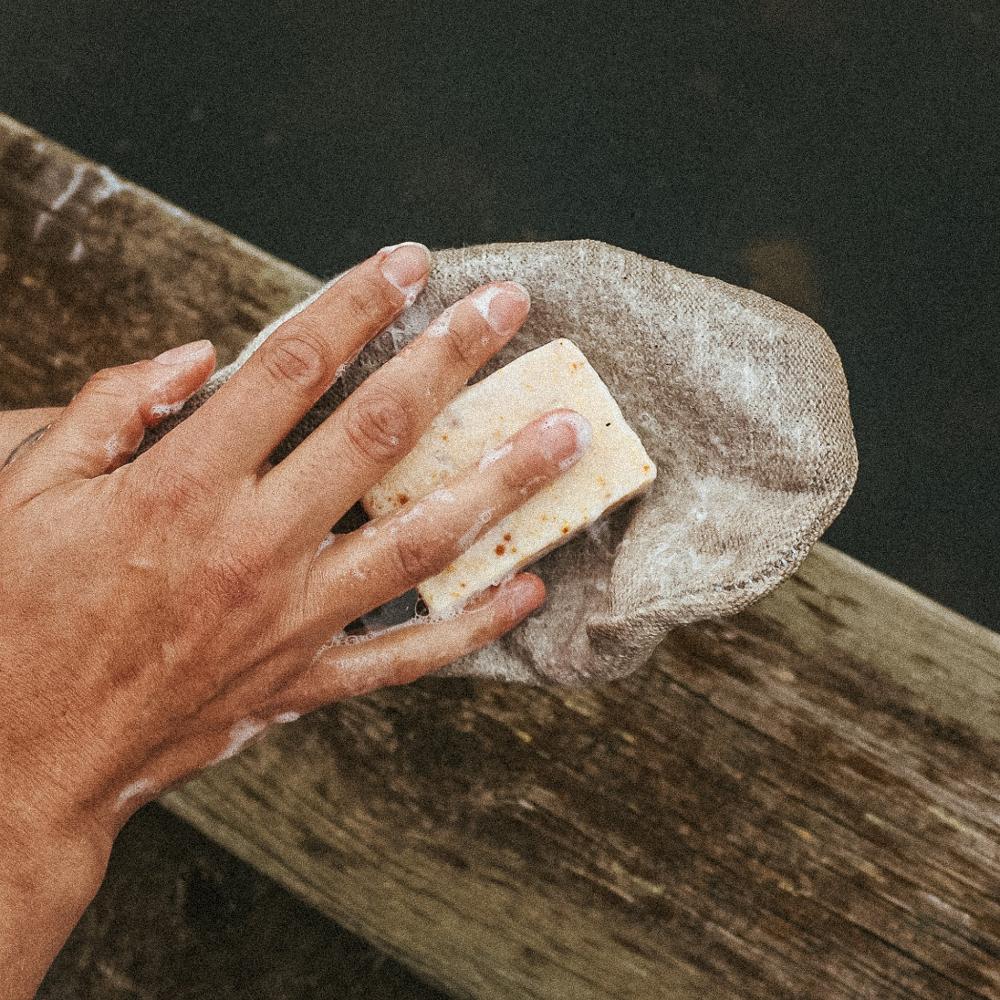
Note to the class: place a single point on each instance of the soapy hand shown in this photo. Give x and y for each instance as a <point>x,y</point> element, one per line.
<point>157,614</point>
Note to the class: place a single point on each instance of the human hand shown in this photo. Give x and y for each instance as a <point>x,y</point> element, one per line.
<point>157,614</point>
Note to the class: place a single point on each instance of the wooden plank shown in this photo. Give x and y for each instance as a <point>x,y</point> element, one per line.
<point>797,802</point>
<point>178,916</point>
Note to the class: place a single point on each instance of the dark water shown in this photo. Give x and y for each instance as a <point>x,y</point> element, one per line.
<point>840,156</point>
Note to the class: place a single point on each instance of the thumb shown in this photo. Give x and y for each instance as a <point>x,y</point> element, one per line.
<point>105,422</point>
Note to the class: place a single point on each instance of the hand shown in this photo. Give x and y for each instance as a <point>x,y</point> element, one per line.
<point>157,614</point>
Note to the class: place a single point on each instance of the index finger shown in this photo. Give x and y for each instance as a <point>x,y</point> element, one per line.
<point>239,427</point>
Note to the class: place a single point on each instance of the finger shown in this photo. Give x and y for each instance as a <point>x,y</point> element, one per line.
<point>387,557</point>
<point>383,419</point>
<point>241,425</point>
<point>354,665</point>
<point>105,422</point>
<point>343,670</point>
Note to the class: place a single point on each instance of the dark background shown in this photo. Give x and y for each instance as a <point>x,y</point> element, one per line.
<point>840,156</point>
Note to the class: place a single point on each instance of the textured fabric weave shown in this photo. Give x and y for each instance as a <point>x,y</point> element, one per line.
<point>741,402</point>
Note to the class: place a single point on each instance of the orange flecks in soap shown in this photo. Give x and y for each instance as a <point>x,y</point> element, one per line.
<point>565,529</point>
<point>506,536</point>
<point>403,498</point>
<point>513,548</point>
<point>645,468</point>
<point>601,481</point>
<point>500,550</point>
<point>444,437</point>
<point>462,584</point>
<point>574,366</point>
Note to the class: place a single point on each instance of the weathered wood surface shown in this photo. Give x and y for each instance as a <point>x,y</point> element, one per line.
<point>801,801</point>
<point>178,917</point>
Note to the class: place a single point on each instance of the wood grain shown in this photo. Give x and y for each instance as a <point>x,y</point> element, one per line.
<point>801,801</point>
<point>178,917</point>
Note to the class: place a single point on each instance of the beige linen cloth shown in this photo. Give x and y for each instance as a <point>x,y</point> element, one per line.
<point>741,402</point>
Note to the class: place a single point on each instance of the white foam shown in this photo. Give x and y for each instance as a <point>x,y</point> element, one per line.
<point>117,448</point>
<point>412,513</point>
<point>239,736</point>
<point>494,456</point>
<point>133,791</point>
<point>166,409</point>
<point>113,449</point>
<point>286,717</point>
<point>483,298</point>
<point>360,639</point>
<point>441,495</point>
<point>441,326</point>
<point>467,539</point>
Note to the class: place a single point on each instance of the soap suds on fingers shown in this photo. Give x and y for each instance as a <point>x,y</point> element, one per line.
<point>118,448</point>
<point>161,410</point>
<point>468,538</point>
<point>441,326</point>
<point>410,291</point>
<point>494,456</point>
<point>133,791</point>
<point>239,736</point>
<point>609,466</point>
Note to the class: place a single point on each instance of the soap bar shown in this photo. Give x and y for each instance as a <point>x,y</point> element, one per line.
<point>613,469</point>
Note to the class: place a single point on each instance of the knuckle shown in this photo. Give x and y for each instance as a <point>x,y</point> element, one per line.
<point>298,357</point>
<point>379,425</point>
<point>520,470</point>
<point>467,341</point>
<point>110,383</point>
<point>413,559</point>
<point>174,487</point>
<point>366,302</point>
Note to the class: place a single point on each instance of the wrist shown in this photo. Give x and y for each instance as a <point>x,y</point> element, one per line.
<point>63,875</point>
<point>54,867</point>
<point>44,891</point>
<point>53,858</point>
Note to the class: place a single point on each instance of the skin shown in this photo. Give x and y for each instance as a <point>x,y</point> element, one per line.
<point>158,613</point>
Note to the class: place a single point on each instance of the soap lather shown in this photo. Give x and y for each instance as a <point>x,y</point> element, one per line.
<point>613,469</point>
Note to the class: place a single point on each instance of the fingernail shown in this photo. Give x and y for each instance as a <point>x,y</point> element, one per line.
<point>565,437</point>
<point>186,354</point>
<point>503,305</point>
<point>405,266</point>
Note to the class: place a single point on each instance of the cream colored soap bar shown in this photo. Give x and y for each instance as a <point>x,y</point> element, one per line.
<point>614,468</point>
